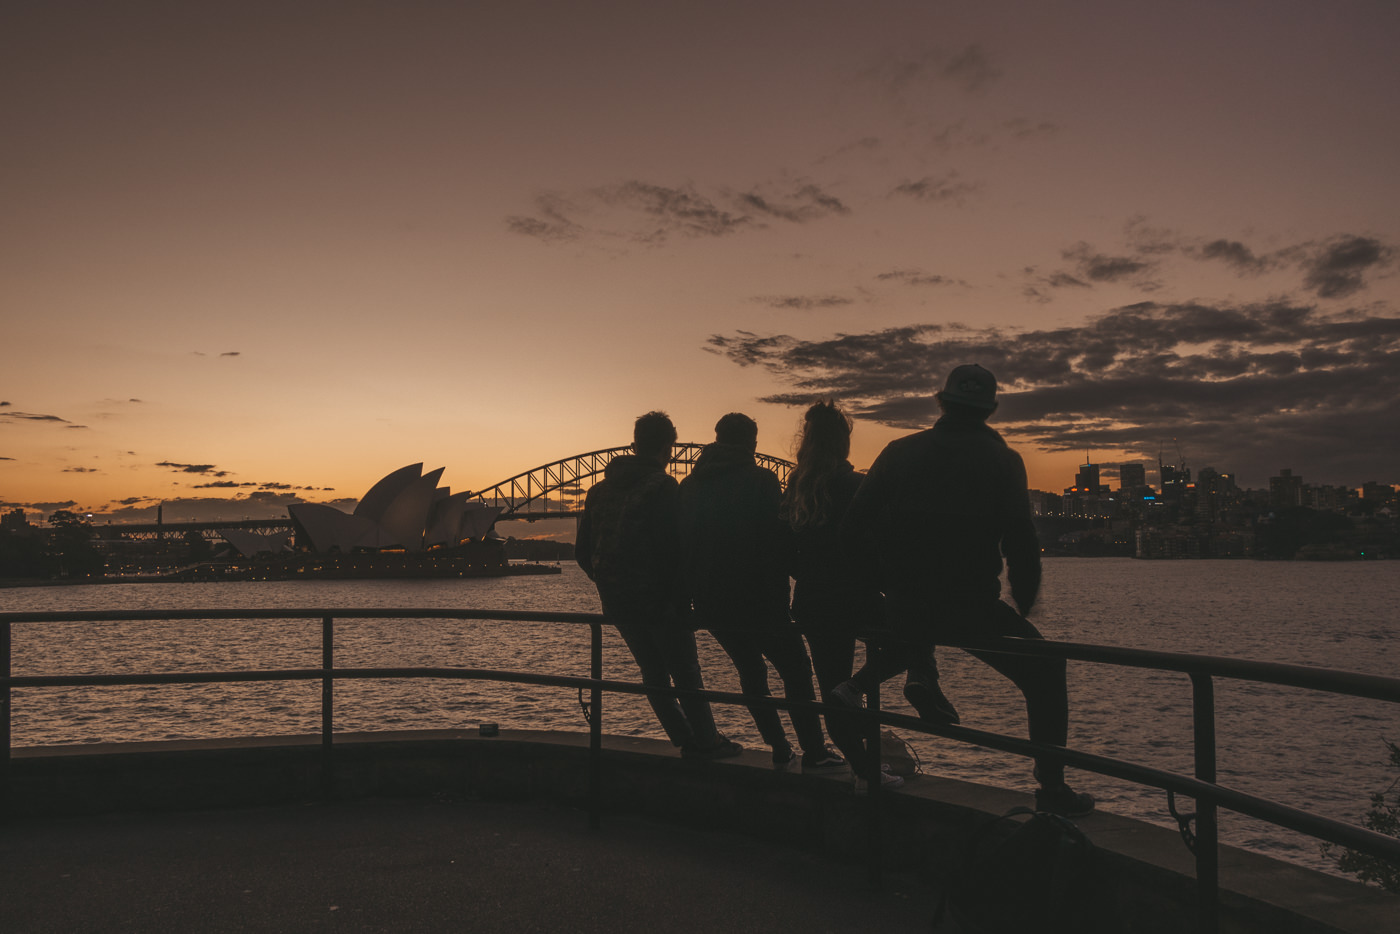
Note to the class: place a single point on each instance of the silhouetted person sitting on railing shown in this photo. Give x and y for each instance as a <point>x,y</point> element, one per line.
<point>735,551</point>
<point>627,544</point>
<point>939,509</point>
<point>832,596</point>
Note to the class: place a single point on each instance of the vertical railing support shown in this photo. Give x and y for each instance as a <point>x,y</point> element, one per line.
<point>327,706</point>
<point>874,820</point>
<point>1207,832</point>
<point>5,719</point>
<point>595,729</point>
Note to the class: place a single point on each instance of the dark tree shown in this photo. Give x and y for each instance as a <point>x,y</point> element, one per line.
<point>71,545</point>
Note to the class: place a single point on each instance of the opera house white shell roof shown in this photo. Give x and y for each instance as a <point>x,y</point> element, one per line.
<point>404,510</point>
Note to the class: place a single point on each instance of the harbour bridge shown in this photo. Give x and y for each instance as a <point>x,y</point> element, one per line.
<point>551,491</point>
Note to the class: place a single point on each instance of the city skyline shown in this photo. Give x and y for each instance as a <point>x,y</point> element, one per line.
<point>257,253</point>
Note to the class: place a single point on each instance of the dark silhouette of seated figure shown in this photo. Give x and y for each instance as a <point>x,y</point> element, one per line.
<point>735,551</point>
<point>628,545</point>
<point>939,509</point>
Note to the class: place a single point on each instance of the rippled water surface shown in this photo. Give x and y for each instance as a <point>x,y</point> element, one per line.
<point>1309,750</point>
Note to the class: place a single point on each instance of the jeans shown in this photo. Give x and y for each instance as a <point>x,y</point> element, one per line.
<point>665,652</point>
<point>748,647</point>
<point>919,622</point>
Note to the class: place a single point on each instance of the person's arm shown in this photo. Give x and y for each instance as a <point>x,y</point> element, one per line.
<point>583,541</point>
<point>1020,544</point>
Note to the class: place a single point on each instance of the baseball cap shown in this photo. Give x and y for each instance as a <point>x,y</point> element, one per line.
<point>971,385</point>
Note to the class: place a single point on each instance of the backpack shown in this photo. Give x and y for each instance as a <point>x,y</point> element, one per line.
<point>1024,871</point>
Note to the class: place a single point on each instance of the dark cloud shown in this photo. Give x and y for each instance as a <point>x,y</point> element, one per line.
<point>937,189</point>
<point>682,211</point>
<point>221,485</point>
<point>1247,388</point>
<point>968,68</point>
<point>28,417</point>
<point>1338,268</point>
<point>915,277</point>
<point>3,404</point>
<point>40,507</point>
<point>802,302</point>
<point>645,212</point>
<point>6,458</point>
<point>807,203</point>
<point>552,226</point>
<point>80,470</point>
<point>77,427</point>
<point>1101,267</point>
<point>231,353</point>
<point>1237,256</point>
<point>207,469</point>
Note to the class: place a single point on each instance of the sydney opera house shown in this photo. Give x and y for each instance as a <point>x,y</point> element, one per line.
<point>406,525</point>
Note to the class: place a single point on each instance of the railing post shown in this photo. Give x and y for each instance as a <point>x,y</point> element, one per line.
<point>327,706</point>
<point>874,824</point>
<point>595,729</point>
<point>1207,837</point>
<point>5,719</point>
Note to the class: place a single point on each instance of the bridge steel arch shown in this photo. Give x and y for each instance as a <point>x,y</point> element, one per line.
<point>556,490</point>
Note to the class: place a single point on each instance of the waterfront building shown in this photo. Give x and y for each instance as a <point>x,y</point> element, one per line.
<point>1285,489</point>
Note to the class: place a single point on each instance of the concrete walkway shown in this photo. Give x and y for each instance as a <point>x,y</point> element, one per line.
<point>426,865</point>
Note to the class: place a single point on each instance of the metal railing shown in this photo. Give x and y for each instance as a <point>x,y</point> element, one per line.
<point>1202,671</point>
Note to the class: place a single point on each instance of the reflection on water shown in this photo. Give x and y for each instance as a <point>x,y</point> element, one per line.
<point>1313,751</point>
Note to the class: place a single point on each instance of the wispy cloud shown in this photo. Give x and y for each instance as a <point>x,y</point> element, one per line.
<point>644,212</point>
<point>938,189</point>
<point>80,470</point>
<point>29,417</point>
<point>803,302</point>
<point>1249,387</point>
<point>969,68</point>
<point>206,469</point>
<point>915,277</point>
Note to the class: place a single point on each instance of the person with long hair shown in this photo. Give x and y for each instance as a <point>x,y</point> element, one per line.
<point>835,592</point>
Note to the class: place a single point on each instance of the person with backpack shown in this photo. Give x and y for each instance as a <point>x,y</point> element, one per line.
<point>627,545</point>
<point>940,509</point>
<point>734,554</point>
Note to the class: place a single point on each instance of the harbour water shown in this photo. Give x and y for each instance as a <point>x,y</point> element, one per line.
<point>1322,753</point>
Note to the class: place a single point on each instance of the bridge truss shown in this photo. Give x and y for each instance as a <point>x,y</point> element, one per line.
<point>556,491</point>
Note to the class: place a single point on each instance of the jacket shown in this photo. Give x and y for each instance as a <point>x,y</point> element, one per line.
<point>734,546</point>
<point>833,584</point>
<point>627,536</point>
<point>941,508</point>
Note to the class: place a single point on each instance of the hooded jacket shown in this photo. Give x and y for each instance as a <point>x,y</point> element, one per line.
<point>627,537</point>
<point>941,507</point>
<point>734,546</point>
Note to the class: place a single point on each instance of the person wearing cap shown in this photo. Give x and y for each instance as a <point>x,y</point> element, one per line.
<point>939,510</point>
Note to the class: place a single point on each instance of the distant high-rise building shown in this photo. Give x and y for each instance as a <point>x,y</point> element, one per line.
<point>1174,482</point>
<point>1087,480</point>
<point>1131,476</point>
<point>1285,489</point>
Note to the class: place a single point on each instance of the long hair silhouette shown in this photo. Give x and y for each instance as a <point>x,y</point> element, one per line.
<point>825,445</point>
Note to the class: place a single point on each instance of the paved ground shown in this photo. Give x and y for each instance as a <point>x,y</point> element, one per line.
<point>421,865</point>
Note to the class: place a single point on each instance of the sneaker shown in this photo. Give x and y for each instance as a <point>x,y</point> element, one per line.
<point>928,699</point>
<point>1064,801</point>
<point>887,782</point>
<point>721,749</point>
<point>785,760</point>
<point>825,761</point>
<point>848,695</point>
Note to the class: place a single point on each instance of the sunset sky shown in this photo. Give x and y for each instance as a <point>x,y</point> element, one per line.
<point>256,251</point>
